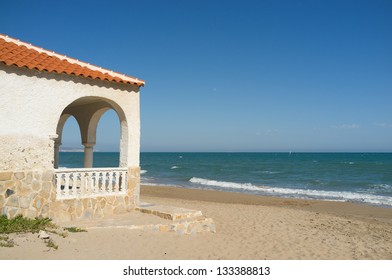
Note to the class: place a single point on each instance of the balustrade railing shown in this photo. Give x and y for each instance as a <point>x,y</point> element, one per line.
<point>90,182</point>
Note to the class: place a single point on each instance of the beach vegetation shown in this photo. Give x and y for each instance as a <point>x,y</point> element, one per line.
<point>75,229</point>
<point>50,244</point>
<point>5,241</point>
<point>21,224</point>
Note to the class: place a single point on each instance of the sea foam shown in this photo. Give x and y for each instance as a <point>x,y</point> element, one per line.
<point>298,193</point>
<point>222,184</point>
<point>332,195</point>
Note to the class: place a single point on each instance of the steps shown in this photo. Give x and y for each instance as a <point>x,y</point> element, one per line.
<point>168,212</point>
<point>150,216</point>
<point>185,221</point>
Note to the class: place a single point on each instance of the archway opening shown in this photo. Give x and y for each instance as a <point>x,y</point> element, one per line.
<point>107,148</point>
<point>71,150</point>
<point>102,127</point>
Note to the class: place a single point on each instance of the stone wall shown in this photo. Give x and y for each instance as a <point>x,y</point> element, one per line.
<point>26,193</point>
<point>33,194</point>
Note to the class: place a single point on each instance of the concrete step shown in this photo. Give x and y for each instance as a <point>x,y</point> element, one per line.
<point>188,227</point>
<point>136,220</point>
<point>169,212</point>
<point>153,217</point>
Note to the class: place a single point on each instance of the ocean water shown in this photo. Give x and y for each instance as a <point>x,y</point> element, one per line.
<point>356,177</point>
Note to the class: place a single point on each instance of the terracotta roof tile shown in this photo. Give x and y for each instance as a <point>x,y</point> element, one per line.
<point>14,52</point>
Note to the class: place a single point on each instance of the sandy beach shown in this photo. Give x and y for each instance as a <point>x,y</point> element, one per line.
<point>248,227</point>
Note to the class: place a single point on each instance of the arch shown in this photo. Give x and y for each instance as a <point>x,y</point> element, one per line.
<point>88,111</point>
<point>58,141</point>
<point>107,132</point>
<point>93,124</point>
<point>60,126</point>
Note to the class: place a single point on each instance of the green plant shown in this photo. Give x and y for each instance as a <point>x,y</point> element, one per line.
<point>5,241</point>
<point>50,244</point>
<point>74,229</point>
<point>58,231</point>
<point>22,224</point>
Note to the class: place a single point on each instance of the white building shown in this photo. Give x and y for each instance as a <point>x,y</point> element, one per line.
<point>39,91</point>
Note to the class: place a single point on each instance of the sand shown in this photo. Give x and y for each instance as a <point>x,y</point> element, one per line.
<point>248,227</point>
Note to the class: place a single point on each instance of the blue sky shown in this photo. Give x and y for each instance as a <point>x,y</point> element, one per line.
<point>231,75</point>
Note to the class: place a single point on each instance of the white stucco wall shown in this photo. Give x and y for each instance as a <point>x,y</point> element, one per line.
<point>31,103</point>
<point>24,152</point>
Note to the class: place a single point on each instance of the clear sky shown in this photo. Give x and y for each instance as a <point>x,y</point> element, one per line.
<point>231,75</point>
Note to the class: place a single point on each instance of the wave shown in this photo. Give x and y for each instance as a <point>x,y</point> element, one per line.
<point>270,172</point>
<point>333,195</point>
<point>383,187</point>
<point>143,171</point>
<point>298,193</point>
<point>231,185</point>
<point>174,167</point>
<point>147,183</point>
<point>267,172</point>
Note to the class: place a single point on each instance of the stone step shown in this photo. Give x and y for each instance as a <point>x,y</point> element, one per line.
<point>188,227</point>
<point>169,212</point>
<point>136,220</point>
<point>153,217</point>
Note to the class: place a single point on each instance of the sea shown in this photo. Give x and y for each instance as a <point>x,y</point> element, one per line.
<point>364,178</point>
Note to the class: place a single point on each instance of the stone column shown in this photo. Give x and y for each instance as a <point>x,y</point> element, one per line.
<point>133,188</point>
<point>88,154</point>
<point>56,144</point>
<point>56,154</point>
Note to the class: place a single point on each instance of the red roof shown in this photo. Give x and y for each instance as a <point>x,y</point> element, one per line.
<point>20,54</point>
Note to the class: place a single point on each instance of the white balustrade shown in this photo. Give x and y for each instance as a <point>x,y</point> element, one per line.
<point>90,182</point>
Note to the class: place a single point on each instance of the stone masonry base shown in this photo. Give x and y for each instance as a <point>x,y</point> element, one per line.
<point>33,194</point>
